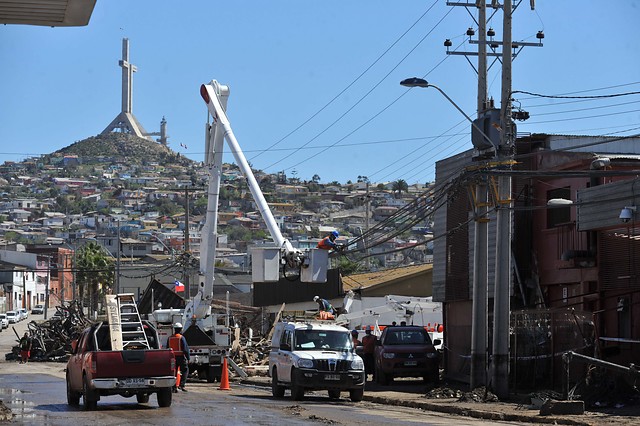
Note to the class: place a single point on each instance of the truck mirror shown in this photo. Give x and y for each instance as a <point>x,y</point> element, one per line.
<point>74,346</point>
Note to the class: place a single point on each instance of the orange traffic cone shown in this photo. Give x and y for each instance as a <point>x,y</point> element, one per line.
<point>178,377</point>
<point>224,379</point>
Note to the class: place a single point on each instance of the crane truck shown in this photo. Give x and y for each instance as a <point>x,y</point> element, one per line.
<point>208,334</point>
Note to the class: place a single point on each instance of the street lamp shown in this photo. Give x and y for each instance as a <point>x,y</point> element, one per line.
<point>421,82</point>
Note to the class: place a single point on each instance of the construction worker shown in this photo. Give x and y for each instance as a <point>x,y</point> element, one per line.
<point>328,242</point>
<point>368,347</point>
<point>180,348</point>
<point>324,305</point>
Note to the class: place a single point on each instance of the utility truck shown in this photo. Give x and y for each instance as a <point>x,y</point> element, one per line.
<point>208,334</point>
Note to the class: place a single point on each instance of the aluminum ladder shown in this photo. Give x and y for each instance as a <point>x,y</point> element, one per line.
<point>125,326</point>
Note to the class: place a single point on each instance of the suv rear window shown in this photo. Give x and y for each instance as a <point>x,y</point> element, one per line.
<point>407,337</point>
<point>322,340</point>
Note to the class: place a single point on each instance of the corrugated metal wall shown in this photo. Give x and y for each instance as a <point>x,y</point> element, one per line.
<point>445,171</point>
<point>599,207</point>
<point>620,259</point>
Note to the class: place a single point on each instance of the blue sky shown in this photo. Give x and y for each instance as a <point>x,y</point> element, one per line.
<point>330,68</point>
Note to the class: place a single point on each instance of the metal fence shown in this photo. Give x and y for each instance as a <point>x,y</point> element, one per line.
<point>538,340</point>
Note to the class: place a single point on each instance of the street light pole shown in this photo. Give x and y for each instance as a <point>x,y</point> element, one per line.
<point>420,82</point>
<point>479,323</point>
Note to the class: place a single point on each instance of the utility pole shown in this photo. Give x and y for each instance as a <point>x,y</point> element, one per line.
<point>502,288</point>
<point>479,324</point>
<point>61,272</point>
<point>118,259</point>
<point>185,270</point>
<point>367,212</point>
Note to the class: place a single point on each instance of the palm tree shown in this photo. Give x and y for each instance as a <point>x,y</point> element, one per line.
<point>94,273</point>
<point>399,186</point>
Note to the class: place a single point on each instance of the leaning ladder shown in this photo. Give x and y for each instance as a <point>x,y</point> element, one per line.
<point>125,326</point>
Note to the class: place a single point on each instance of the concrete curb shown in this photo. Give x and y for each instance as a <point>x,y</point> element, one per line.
<point>456,409</point>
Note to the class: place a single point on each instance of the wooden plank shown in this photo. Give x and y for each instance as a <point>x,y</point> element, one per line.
<point>273,326</point>
<point>115,328</point>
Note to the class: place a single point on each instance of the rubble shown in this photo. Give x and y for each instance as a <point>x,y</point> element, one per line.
<point>479,394</point>
<point>52,338</point>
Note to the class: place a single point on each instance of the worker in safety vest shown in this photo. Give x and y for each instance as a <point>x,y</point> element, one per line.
<point>180,348</point>
<point>328,242</point>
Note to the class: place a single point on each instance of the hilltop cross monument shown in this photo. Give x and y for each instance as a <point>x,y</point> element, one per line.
<point>126,122</point>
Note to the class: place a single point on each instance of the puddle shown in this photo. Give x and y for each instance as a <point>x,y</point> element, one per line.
<point>11,392</point>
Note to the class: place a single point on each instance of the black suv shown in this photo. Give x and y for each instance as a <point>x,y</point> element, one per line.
<point>406,351</point>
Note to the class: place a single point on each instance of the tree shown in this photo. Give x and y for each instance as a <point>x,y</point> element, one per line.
<point>315,178</point>
<point>399,186</point>
<point>95,273</point>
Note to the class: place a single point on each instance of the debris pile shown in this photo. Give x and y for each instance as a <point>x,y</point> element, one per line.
<point>479,394</point>
<point>251,356</point>
<point>443,393</point>
<point>52,338</point>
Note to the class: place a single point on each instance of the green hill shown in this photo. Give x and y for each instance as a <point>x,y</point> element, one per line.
<point>121,146</point>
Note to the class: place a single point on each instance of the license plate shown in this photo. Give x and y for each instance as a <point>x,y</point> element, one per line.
<point>332,377</point>
<point>410,363</point>
<point>132,383</point>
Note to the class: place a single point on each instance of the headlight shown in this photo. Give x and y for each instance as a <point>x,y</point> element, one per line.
<point>357,364</point>
<point>388,355</point>
<point>432,355</point>
<point>305,363</point>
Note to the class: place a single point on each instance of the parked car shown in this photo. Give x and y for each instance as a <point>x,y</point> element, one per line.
<point>37,310</point>
<point>4,321</point>
<point>24,314</point>
<point>314,356</point>
<point>13,317</point>
<point>406,351</point>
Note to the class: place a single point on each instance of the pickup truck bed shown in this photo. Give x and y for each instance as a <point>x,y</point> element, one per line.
<point>93,370</point>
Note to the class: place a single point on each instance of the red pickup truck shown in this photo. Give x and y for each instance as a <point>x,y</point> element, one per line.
<point>94,370</point>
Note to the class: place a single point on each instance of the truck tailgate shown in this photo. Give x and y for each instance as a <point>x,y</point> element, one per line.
<point>134,363</point>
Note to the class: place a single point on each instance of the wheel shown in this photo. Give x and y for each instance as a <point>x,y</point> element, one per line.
<point>73,398</point>
<point>381,377</point>
<point>356,395</point>
<point>164,397</point>
<point>297,391</point>
<point>276,390</point>
<point>142,398</point>
<point>334,394</point>
<point>89,397</point>
<point>212,373</point>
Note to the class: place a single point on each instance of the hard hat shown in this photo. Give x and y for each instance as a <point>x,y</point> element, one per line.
<point>177,325</point>
<point>354,332</point>
<point>315,298</point>
<point>335,234</point>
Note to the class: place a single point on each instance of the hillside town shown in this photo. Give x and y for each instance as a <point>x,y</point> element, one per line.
<point>504,286</point>
<point>50,216</point>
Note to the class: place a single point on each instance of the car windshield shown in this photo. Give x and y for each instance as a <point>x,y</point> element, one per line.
<point>407,337</point>
<point>322,340</point>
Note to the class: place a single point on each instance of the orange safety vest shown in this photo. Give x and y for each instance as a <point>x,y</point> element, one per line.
<point>175,343</point>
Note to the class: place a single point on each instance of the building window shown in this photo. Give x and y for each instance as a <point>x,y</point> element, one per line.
<point>557,216</point>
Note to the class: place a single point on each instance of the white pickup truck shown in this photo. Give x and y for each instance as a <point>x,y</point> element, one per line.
<point>314,356</point>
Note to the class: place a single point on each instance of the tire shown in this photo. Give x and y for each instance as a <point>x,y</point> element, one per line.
<point>164,397</point>
<point>142,398</point>
<point>88,396</point>
<point>276,390</point>
<point>334,394</point>
<point>356,395</point>
<point>73,397</point>
<point>297,391</point>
